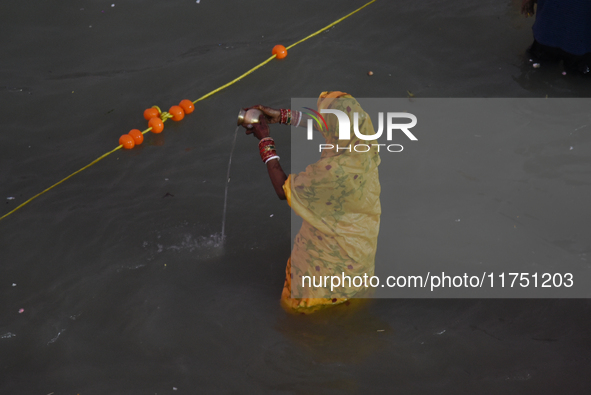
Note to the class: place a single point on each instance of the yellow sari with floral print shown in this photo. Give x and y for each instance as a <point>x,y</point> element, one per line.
<point>338,198</point>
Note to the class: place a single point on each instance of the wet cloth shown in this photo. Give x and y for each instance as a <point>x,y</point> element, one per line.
<point>338,198</point>
<point>564,24</point>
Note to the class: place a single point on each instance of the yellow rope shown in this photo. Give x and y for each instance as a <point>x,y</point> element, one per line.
<point>165,115</point>
<point>235,79</point>
<point>57,183</point>
<point>331,25</point>
<point>273,57</point>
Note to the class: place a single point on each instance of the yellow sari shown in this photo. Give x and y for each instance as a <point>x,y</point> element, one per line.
<point>338,198</point>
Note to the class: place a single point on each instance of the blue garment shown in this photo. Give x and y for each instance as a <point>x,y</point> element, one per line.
<point>564,24</point>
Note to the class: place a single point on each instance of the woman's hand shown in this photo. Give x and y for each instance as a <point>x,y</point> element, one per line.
<point>272,115</point>
<point>527,7</point>
<point>260,130</point>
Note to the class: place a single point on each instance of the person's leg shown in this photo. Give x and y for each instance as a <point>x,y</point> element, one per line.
<point>544,52</point>
<point>583,64</point>
<point>572,63</point>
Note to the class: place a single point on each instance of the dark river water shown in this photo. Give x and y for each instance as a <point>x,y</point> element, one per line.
<point>124,283</point>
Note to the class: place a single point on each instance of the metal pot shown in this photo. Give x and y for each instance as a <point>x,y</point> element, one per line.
<point>247,118</point>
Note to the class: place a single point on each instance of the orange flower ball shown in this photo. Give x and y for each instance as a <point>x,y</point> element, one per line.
<point>126,141</point>
<point>187,106</point>
<point>177,113</point>
<point>137,136</point>
<point>156,124</point>
<point>151,113</point>
<point>279,51</point>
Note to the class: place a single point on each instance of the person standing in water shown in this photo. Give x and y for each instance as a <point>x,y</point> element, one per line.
<point>338,198</point>
<point>562,31</point>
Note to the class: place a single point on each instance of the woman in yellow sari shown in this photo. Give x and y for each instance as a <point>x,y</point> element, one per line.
<point>337,197</point>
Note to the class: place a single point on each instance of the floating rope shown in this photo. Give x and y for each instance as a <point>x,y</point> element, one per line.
<point>163,116</point>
